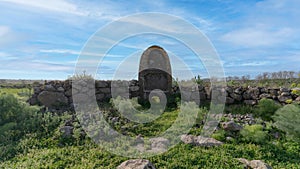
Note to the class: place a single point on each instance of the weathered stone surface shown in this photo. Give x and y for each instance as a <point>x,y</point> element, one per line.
<point>254,164</point>
<point>136,164</point>
<point>200,141</point>
<point>231,126</point>
<point>154,71</point>
<point>52,99</point>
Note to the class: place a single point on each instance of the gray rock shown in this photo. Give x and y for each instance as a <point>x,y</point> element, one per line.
<point>236,97</point>
<point>229,100</point>
<point>136,164</point>
<point>52,99</point>
<point>254,164</point>
<point>283,89</point>
<point>238,91</point>
<point>231,126</point>
<point>200,141</point>
<point>134,88</point>
<point>159,144</point>
<point>49,88</point>
<point>250,102</point>
<point>273,92</point>
<point>284,98</point>
<point>229,139</point>
<point>36,90</point>
<point>60,89</point>
<point>265,95</point>
<point>285,94</point>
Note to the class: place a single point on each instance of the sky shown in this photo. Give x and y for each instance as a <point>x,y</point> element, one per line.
<point>44,39</point>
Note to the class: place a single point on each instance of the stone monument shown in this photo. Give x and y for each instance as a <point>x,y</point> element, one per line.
<point>154,72</point>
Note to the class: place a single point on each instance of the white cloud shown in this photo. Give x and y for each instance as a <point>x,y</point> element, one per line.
<point>5,56</point>
<point>60,51</point>
<point>255,37</point>
<point>7,36</point>
<point>53,5</point>
<point>3,31</point>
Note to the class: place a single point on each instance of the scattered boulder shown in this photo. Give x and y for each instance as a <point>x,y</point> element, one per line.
<point>136,164</point>
<point>200,141</point>
<point>231,126</point>
<point>254,164</point>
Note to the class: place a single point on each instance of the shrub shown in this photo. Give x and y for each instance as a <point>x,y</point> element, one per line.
<point>219,135</point>
<point>254,134</point>
<point>289,101</point>
<point>266,109</point>
<point>296,92</point>
<point>287,119</point>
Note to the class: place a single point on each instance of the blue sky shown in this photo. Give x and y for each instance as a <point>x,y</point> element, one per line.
<point>42,39</point>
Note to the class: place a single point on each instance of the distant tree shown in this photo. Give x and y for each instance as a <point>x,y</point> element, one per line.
<point>292,74</point>
<point>265,75</point>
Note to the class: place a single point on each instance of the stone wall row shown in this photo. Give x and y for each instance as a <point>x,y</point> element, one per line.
<point>57,95</point>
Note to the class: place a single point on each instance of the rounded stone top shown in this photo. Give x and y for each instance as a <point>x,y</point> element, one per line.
<point>155,46</point>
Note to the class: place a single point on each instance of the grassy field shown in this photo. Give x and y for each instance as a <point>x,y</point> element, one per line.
<point>35,141</point>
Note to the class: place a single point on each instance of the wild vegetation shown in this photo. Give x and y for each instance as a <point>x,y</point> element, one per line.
<point>32,138</point>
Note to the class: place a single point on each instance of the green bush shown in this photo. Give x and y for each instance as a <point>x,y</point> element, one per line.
<point>266,109</point>
<point>15,118</point>
<point>287,119</point>
<point>219,135</point>
<point>254,134</point>
<point>296,92</point>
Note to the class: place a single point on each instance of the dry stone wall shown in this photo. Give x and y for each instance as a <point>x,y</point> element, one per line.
<point>57,95</point>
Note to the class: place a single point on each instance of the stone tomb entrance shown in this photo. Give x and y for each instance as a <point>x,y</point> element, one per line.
<point>154,72</point>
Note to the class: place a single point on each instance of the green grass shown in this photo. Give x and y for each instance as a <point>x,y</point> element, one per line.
<point>22,94</point>
<point>38,150</point>
<point>278,155</point>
